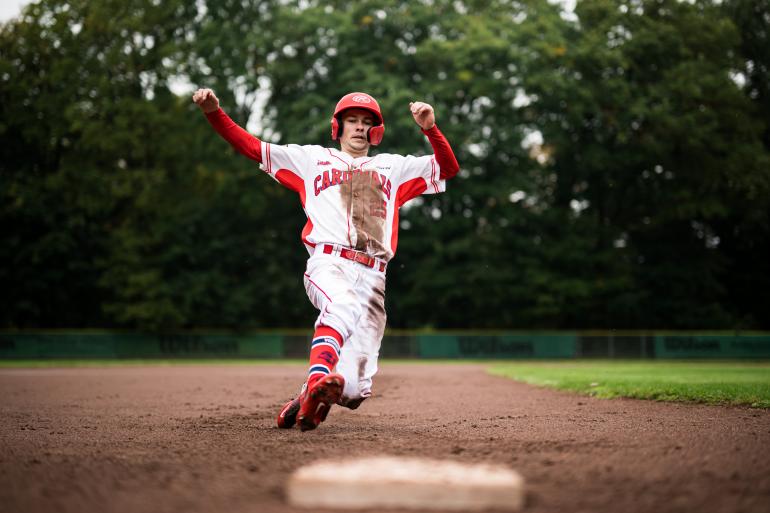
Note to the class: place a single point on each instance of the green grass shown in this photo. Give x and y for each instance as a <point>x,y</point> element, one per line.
<point>702,382</point>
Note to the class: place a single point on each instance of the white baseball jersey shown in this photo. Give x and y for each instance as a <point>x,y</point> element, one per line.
<point>351,201</point>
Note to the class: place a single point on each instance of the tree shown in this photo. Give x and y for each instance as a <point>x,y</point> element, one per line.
<point>652,136</point>
<point>614,168</point>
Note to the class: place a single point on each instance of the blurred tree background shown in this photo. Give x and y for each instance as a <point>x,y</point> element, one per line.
<point>615,161</point>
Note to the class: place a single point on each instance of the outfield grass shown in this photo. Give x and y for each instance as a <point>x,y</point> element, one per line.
<point>702,382</point>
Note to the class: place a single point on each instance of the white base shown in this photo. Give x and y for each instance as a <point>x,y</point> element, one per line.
<point>407,483</point>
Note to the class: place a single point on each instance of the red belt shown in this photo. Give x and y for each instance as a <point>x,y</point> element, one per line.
<point>357,256</point>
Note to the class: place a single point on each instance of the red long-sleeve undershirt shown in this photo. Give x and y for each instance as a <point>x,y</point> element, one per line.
<point>250,145</point>
<point>443,153</point>
<point>245,143</point>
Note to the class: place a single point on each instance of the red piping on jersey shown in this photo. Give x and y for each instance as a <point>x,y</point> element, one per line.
<point>347,214</point>
<point>406,191</point>
<point>336,157</point>
<point>443,153</point>
<point>433,181</point>
<point>243,142</point>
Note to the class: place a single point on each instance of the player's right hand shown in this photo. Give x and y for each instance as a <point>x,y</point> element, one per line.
<point>206,100</point>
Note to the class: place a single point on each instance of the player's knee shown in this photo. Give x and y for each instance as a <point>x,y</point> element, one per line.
<point>341,316</point>
<point>350,312</point>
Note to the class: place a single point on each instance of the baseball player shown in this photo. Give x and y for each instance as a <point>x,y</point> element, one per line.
<point>351,200</point>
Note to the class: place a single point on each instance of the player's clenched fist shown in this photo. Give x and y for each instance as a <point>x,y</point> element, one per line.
<point>423,115</point>
<point>206,100</point>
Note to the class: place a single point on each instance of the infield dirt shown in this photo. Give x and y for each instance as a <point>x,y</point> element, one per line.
<point>203,439</point>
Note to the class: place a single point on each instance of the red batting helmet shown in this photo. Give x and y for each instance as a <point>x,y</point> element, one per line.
<point>359,101</point>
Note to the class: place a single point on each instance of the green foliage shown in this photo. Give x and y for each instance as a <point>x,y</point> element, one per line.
<point>648,131</point>
<point>119,208</point>
<point>715,383</point>
<point>645,205</point>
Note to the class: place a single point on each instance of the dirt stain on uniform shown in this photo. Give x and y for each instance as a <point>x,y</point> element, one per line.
<point>363,198</point>
<point>376,310</point>
<point>361,368</point>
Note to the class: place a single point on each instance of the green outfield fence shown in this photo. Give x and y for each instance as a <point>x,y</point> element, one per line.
<point>19,345</point>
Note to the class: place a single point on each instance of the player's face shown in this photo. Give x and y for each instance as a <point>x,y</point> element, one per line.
<point>355,125</point>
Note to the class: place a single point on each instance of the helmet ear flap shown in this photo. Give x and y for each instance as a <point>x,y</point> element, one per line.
<point>374,134</point>
<point>336,129</point>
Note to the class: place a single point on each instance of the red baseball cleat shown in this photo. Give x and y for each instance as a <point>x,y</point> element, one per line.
<point>316,402</point>
<point>287,417</point>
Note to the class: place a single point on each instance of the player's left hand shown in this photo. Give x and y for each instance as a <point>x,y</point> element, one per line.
<point>423,115</point>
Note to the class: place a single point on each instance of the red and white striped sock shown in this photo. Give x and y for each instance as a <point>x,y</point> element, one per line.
<point>324,353</point>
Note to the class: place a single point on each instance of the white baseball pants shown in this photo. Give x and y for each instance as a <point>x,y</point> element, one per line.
<point>351,300</point>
